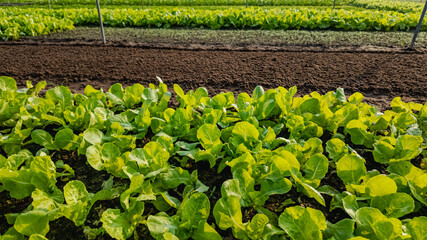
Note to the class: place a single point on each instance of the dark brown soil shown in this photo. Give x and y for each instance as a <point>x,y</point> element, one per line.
<point>10,205</point>
<point>379,75</point>
<point>82,170</point>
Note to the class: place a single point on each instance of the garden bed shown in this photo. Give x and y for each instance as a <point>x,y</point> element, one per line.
<point>326,168</point>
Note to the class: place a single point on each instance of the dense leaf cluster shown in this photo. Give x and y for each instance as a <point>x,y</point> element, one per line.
<point>14,25</point>
<point>16,22</point>
<point>269,144</point>
<point>195,2</point>
<point>390,5</point>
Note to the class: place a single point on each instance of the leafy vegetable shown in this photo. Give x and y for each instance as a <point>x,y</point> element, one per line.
<point>213,165</point>
<point>302,223</point>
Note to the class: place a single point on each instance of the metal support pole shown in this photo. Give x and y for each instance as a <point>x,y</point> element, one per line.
<point>142,4</point>
<point>48,1</point>
<point>247,4</point>
<point>334,4</point>
<point>100,21</point>
<point>420,23</point>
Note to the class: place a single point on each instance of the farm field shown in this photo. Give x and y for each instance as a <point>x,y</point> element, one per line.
<point>260,39</point>
<point>360,15</point>
<point>373,73</point>
<point>204,119</point>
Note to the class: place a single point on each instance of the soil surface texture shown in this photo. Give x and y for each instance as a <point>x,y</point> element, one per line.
<point>378,75</point>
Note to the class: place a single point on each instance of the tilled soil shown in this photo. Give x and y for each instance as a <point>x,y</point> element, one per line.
<point>379,75</point>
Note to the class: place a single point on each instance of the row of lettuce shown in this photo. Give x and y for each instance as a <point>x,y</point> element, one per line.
<point>272,142</point>
<point>15,22</point>
<point>379,5</point>
<point>195,2</point>
<point>398,6</point>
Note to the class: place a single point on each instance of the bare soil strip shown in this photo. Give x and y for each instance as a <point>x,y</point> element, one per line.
<point>379,75</point>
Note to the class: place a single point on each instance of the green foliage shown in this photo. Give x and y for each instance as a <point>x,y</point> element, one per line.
<point>13,26</point>
<point>372,224</point>
<point>198,2</point>
<point>340,230</point>
<point>390,5</point>
<point>122,225</point>
<point>351,168</point>
<point>190,221</point>
<point>380,185</point>
<point>36,21</point>
<point>302,223</point>
<point>33,222</point>
<point>416,227</point>
<point>246,165</point>
<point>394,205</point>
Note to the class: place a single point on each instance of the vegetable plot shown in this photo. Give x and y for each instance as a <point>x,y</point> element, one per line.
<point>196,2</point>
<point>32,21</point>
<point>269,165</point>
<point>389,5</point>
<point>14,26</point>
